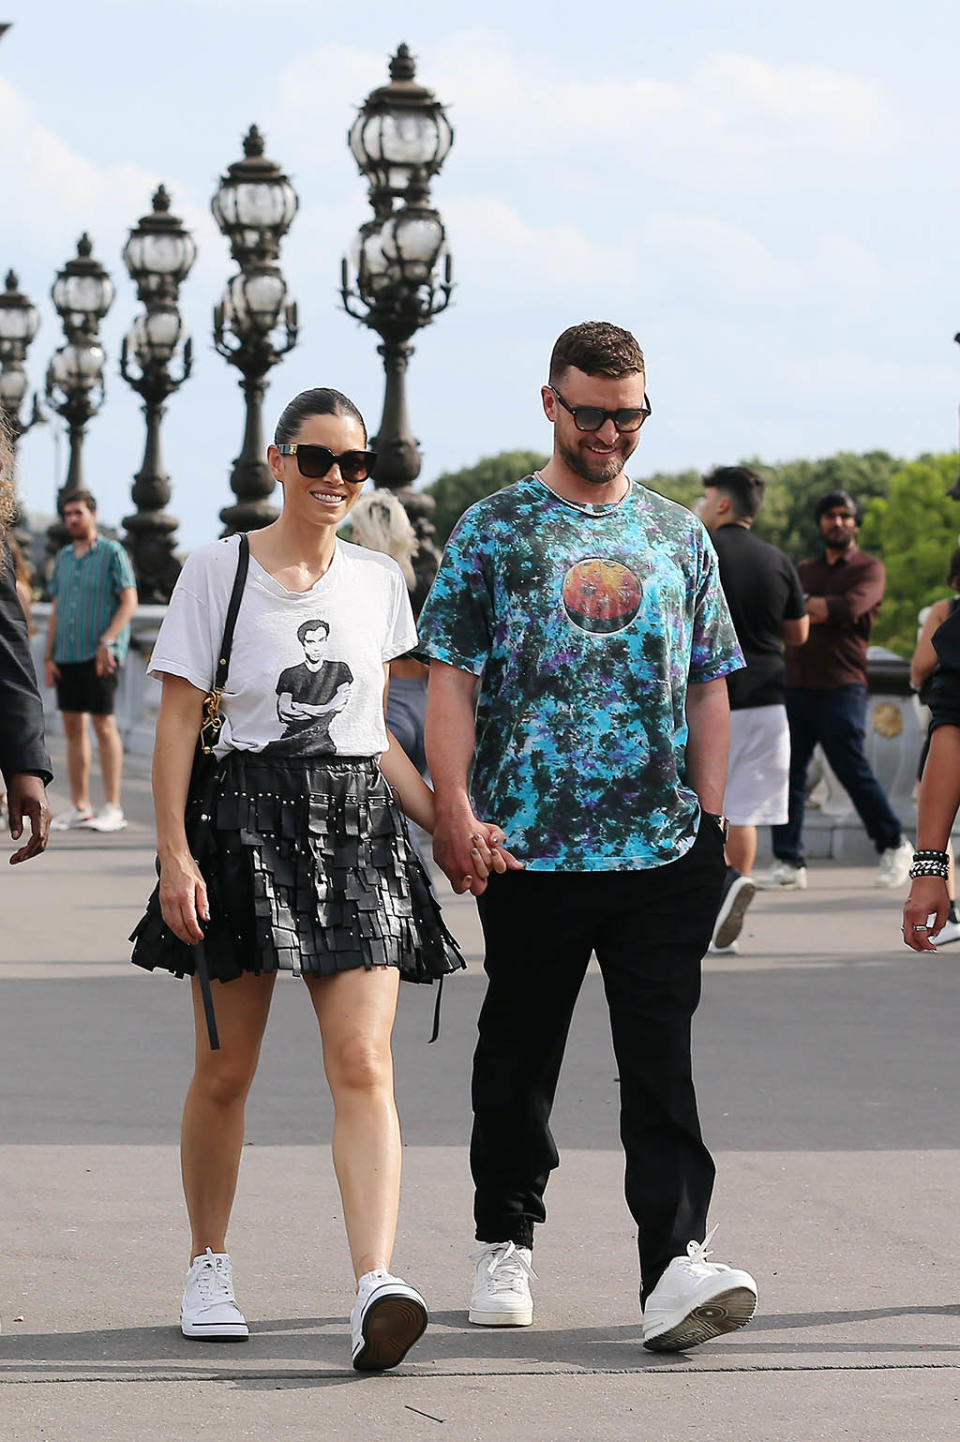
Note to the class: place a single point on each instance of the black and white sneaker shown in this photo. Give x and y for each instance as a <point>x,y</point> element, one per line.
<point>387,1318</point>
<point>738,892</point>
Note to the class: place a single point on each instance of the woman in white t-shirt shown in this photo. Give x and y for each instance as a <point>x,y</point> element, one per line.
<point>313,871</point>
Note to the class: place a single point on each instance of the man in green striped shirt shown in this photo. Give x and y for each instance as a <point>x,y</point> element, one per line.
<point>94,598</point>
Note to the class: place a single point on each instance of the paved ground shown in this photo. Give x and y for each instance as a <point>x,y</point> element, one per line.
<point>827,1064</point>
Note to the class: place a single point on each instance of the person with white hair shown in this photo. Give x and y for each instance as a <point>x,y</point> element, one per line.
<point>379,522</point>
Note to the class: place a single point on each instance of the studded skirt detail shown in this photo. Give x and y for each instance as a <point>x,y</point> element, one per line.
<point>310,870</point>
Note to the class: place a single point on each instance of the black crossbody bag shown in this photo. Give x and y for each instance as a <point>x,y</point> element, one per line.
<point>199,818</point>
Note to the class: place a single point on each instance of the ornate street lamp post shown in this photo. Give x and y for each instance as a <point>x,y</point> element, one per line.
<point>255,324</point>
<point>82,293</point>
<point>158,255</point>
<point>392,282</point>
<point>18,326</point>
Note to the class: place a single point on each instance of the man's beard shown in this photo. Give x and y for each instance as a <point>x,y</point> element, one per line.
<point>840,540</point>
<point>605,469</point>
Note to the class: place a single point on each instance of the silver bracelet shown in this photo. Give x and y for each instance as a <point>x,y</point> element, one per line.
<point>929,866</point>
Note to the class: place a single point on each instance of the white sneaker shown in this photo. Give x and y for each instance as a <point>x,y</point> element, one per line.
<point>77,816</point>
<point>109,818</point>
<point>949,931</point>
<point>732,948</point>
<point>387,1318</point>
<point>501,1292</point>
<point>696,1300</point>
<point>209,1308</point>
<point>782,877</point>
<point>894,865</point>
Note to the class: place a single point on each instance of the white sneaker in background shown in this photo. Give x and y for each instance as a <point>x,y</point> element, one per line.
<point>387,1318</point>
<point>782,877</point>
<point>109,818</point>
<point>209,1308</point>
<point>894,865</point>
<point>501,1290</point>
<point>73,819</point>
<point>949,931</point>
<point>696,1300</point>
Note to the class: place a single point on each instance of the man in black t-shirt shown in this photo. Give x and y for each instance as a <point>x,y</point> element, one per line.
<point>766,602</point>
<point>310,695</point>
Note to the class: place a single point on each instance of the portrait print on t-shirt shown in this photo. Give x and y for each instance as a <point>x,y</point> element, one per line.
<point>311,695</point>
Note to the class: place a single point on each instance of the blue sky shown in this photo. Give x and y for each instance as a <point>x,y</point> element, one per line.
<point>768,200</point>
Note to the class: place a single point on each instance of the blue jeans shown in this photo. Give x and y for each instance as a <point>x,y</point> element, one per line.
<point>837,719</point>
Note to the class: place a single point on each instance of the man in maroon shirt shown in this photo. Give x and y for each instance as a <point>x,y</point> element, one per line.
<point>827,695</point>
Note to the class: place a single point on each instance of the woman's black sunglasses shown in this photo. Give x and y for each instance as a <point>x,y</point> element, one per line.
<point>591,418</point>
<point>315,461</point>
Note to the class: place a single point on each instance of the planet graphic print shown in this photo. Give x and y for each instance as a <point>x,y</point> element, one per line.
<point>601,596</point>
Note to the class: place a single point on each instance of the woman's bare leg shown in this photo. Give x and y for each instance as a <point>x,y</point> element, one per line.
<point>211,1138</point>
<point>356,1010</point>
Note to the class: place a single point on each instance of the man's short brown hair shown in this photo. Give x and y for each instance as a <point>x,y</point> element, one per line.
<point>85,498</point>
<point>599,349</point>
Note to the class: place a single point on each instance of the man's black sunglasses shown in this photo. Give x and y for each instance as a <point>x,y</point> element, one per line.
<point>315,461</point>
<point>591,418</point>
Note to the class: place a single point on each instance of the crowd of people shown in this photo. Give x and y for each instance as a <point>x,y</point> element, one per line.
<point>614,695</point>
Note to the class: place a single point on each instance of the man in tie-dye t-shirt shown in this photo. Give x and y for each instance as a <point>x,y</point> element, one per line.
<point>579,641</point>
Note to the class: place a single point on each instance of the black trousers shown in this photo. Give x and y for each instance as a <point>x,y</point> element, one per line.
<point>650,930</point>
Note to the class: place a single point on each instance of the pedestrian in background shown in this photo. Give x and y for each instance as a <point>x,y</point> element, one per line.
<point>768,609</point>
<point>94,595</point>
<point>24,763</point>
<point>827,696</point>
<point>923,667</point>
<point>927,909</point>
<point>379,522</point>
<point>579,642</point>
<point>21,573</point>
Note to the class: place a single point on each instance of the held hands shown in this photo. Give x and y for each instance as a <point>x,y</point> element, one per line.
<point>183,898</point>
<point>51,673</point>
<point>106,662</point>
<point>925,912</point>
<point>468,850</point>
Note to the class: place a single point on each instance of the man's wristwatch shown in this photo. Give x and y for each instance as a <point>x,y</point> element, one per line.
<point>719,820</point>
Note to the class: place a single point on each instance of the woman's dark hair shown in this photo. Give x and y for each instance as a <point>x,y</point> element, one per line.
<point>321,401</point>
<point>953,572</point>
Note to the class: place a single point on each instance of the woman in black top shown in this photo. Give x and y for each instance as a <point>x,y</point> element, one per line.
<point>928,905</point>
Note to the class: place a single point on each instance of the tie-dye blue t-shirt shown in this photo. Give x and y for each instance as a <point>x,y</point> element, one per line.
<point>585,627</point>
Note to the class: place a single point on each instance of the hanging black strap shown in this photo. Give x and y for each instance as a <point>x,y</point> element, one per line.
<point>219,681</point>
<point>230,624</point>
<point>436,1010</point>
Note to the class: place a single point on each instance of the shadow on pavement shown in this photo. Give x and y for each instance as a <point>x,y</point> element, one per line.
<point>449,1347</point>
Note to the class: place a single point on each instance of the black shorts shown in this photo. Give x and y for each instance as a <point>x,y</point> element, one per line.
<point>81,689</point>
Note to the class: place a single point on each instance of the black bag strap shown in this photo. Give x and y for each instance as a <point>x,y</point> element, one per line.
<point>219,681</point>
<point>230,624</point>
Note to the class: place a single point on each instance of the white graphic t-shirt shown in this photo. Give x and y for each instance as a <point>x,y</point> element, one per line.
<point>306,669</point>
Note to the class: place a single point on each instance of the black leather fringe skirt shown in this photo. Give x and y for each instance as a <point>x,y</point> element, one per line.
<point>309,870</point>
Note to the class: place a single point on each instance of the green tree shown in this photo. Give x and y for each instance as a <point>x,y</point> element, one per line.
<point>682,486</point>
<point>794,487</point>
<point>914,529</point>
<point>454,491</point>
